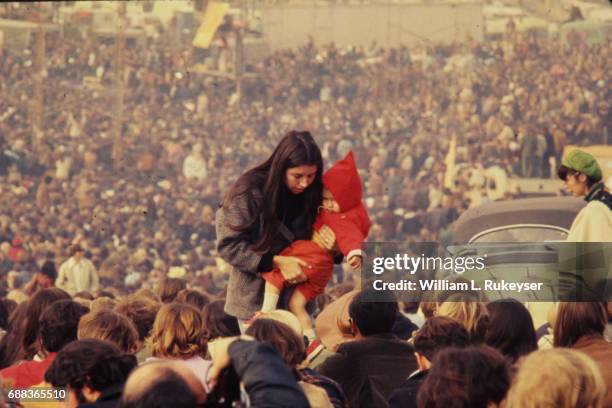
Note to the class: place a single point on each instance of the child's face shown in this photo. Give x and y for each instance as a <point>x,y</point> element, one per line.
<point>329,203</point>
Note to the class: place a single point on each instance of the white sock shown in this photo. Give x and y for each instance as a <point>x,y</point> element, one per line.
<point>269,302</point>
<point>310,335</point>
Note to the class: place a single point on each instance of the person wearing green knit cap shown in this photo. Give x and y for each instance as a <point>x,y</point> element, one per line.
<point>583,177</point>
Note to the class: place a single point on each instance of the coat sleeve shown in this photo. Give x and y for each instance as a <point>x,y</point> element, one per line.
<point>349,238</point>
<point>592,224</point>
<point>61,276</point>
<point>234,247</point>
<point>351,230</point>
<point>267,379</point>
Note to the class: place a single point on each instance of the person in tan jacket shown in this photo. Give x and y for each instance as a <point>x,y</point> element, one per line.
<point>78,273</point>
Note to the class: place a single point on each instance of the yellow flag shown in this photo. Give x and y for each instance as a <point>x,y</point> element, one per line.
<point>213,17</point>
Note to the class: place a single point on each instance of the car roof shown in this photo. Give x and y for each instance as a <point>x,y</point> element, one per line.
<point>556,211</point>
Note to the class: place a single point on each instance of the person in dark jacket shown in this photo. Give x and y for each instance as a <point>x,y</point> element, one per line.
<point>94,372</point>
<point>290,345</point>
<point>266,378</point>
<point>370,367</point>
<point>436,334</point>
<point>268,208</point>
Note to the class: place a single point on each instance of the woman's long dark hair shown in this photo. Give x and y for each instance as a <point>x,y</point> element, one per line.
<point>295,149</point>
<point>11,348</point>
<point>37,305</point>
<point>510,329</point>
<point>217,323</point>
<point>578,319</point>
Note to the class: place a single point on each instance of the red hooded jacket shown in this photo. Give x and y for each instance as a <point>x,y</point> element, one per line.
<point>351,224</point>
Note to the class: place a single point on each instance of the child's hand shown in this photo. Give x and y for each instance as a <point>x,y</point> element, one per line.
<point>355,263</point>
<point>325,238</point>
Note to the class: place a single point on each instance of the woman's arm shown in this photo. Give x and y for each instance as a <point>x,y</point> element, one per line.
<point>234,247</point>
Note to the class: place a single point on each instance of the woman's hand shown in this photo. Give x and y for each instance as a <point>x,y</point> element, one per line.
<point>291,268</point>
<point>325,238</point>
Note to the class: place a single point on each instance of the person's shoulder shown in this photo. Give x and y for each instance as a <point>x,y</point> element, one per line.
<point>69,261</point>
<point>405,395</point>
<point>335,360</point>
<point>597,207</point>
<point>243,194</point>
<point>588,343</point>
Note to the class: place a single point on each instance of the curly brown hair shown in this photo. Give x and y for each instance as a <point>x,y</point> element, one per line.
<point>471,377</point>
<point>437,333</point>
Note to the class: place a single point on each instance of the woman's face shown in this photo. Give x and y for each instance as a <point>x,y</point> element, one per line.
<point>298,179</point>
<point>576,185</point>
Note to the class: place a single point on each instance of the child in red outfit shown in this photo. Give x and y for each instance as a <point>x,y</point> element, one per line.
<point>345,214</point>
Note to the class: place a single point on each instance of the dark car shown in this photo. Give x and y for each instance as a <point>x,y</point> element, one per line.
<point>524,241</point>
<point>527,220</point>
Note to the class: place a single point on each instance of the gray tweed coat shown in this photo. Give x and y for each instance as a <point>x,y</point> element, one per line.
<point>246,286</point>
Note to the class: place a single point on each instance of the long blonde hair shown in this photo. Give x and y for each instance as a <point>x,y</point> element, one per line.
<point>559,377</point>
<point>178,332</point>
<point>467,312</point>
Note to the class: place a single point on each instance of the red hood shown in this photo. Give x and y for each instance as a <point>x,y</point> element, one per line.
<point>343,180</point>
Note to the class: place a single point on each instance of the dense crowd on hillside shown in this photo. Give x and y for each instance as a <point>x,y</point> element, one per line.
<point>111,284</point>
<point>512,106</point>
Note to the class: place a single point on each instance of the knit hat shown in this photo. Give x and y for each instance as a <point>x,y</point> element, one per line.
<point>582,162</point>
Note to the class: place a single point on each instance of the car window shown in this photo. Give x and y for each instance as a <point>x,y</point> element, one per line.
<point>523,233</point>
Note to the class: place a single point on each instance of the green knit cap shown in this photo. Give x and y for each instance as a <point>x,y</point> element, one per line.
<point>582,162</point>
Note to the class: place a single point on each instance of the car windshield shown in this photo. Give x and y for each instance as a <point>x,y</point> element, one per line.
<point>522,233</point>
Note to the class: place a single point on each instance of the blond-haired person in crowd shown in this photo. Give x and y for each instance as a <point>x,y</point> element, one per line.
<point>178,334</point>
<point>560,378</point>
<point>467,312</point>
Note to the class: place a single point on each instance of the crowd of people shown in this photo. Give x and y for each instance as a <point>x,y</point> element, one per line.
<point>512,106</point>
<point>113,289</point>
<point>175,346</point>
